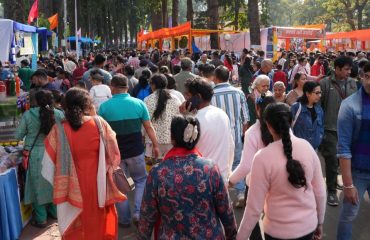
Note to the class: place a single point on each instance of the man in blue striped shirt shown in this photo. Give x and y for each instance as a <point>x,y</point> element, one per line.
<point>233,102</point>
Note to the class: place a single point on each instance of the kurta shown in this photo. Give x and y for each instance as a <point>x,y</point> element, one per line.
<point>37,190</point>
<point>94,223</point>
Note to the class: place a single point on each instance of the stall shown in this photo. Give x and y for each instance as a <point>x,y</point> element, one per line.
<point>85,44</point>
<point>358,40</point>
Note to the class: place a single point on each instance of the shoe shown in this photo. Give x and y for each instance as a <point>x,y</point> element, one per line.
<point>240,201</point>
<point>135,221</point>
<point>340,186</point>
<point>333,199</point>
<point>124,225</point>
<point>38,224</point>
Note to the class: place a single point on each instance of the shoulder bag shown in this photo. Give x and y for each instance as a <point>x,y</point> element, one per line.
<point>26,153</point>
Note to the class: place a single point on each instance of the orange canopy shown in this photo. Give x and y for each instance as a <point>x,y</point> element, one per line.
<point>361,35</point>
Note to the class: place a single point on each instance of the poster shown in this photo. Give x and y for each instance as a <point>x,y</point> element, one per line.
<point>27,48</point>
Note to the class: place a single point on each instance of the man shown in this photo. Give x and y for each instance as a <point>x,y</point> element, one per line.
<point>266,69</point>
<point>99,63</point>
<point>25,73</point>
<point>184,75</point>
<point>208,72</point>
<point>127,115</point>
<point>134,60</point>
<point>335,88</point>
<point>79,71</point>
<point>216,59</point>
<point>232,101</point>
<point>353,153</point>
<point>143,66</point>
<point>176,61</point>
<point>261,56</point>
<point>132,81</point>
<point>216,141</point>
<point>203,60</point>
<point>69,65</point>
<point>40,80</point>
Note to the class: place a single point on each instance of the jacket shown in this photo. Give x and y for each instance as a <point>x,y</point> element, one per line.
<point>305,128</point>
<point>331,99</point>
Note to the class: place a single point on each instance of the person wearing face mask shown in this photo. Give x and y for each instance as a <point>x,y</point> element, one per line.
<point>308,115</point>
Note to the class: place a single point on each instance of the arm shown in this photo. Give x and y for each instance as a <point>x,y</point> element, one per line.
<point>149,212</point>
<point>21,130</point>
<point>259,185</point>
<point>318,187</point>
<point>244,111</point>
<point>151,133</point>
<point>223,206</point>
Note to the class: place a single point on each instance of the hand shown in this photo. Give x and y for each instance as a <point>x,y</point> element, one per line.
<point>155,151</point>
<point>183,109</point>
<point>351,195</point>
<point>318,233</point>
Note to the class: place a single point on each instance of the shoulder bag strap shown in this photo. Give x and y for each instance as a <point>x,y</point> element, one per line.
<point>297,115</point>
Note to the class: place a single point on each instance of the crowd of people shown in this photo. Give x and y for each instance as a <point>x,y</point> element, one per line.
<point>186,128</point>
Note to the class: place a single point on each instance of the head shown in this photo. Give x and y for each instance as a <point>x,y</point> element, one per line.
<point>222,74</point>
<point>261,104</point>
<point>186,64</point>
<point>99,61</point>
<point>278,118</point>
<point>45,102</point>
<point>81,84</point>
<point>266,65</point>
<point>201,88</point>
<point>302,61</point>
<point>58,98</point>
<point>24,63</point>
<point>185,132</point>
<point>164,70</point>
<point>129,70</point>
<point>204,58</point>
<point>366,78</point>
<point>171,82</point>
<point>176,69</point>
<point>215,55</point>
<point>39,78</point>
<point>143,63</point>
<point>343,66</point>
<point>119,84</point>
<point>299,80</point>
<point>279,67</point>
<point>261,84</point>
<point>279,89</point>
<point>154,69</point>
<point>77,104</point>
<point>311,93</point>
<point>208,71</point>
<point>96,77</point>
<point>158,83</point>
<point>320,59</point>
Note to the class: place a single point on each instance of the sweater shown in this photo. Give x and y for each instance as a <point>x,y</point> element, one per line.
<point>289,212</point>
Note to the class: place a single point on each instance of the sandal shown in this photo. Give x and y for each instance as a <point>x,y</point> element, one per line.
<point>39,225</point>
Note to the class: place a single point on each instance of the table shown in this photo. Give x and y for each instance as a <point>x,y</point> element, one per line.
<point>10,212</point>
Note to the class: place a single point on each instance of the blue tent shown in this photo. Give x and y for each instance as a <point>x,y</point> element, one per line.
<point>43,36</point>
<point>81,39</point>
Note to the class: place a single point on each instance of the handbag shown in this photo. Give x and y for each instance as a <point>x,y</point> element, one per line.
<point>123,183</point>
<point>26,153</point>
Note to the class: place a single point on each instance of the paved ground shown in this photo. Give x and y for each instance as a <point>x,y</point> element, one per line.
<point>361,229</point>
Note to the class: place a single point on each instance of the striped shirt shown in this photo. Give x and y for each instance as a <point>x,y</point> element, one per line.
<point>233,102</point>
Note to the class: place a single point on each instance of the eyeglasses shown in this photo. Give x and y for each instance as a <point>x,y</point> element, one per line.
<point>317,93</point>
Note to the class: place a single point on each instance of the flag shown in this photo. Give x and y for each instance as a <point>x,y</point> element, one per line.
<point>53,20</point>
<point>79,33</point>
<point>34,12</point>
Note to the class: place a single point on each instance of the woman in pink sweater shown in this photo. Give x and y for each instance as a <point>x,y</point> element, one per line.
<point>286,183</point>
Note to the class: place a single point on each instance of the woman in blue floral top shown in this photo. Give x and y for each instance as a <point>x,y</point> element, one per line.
<point>185,195</point>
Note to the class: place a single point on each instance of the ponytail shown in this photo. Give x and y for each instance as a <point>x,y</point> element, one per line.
<point>159,81</point>
<point>44,100</point>
<point>279,117</point>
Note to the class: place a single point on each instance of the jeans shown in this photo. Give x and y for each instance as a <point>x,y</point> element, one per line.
<point>307,237</point>
<point>361,180</point>
<point>240,186</point>
<point>135,166</point>
<point>328,149</point>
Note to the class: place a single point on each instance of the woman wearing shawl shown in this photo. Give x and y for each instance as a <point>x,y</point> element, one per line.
<point>79,163</point>
<point>186,192</point>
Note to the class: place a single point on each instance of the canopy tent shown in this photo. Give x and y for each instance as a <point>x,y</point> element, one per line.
<point>355,40</point>
<point>361,35</point>
<point>175,32</point>
<point>80,39</point>
<point>44,33</point>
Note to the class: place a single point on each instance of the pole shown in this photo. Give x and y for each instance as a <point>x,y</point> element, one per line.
<point>65,25</point>
<point>77,48</point>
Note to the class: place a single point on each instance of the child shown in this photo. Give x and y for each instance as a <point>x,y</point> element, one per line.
<point>99,92</point>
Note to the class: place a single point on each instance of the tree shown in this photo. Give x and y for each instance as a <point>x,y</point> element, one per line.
<point>189,11</point>
<point>175,13</point>
<point>213,19</point>
<point>254,22</point>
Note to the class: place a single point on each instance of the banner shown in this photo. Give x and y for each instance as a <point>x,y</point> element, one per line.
<point>300,33</point>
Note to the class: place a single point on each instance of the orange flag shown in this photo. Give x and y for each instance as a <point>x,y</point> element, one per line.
<point>53,20</point>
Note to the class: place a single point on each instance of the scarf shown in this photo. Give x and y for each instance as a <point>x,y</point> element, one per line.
<point>180,152</point>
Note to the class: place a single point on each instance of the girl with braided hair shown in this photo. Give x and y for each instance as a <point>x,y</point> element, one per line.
<point>286,183</point>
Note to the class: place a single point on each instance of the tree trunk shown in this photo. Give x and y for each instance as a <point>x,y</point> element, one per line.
<point>236,12</point>
<point>254,22</point>
<point>156,20</point>
<point>213,22</point>
<point>189,11</point>
<point>175,13</point>
<point>164,13</point>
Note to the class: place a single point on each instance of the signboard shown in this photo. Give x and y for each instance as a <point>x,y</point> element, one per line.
<point>27,48</point>
<point>299,33</point>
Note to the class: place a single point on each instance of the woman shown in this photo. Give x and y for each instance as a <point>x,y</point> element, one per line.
<point>142,89</point>
<point>308,116</point>
<point>260,86</point>
<point>186,192</point>
<point>289,71</point>
<point>79,162</point>
<point>290,190</point>
<point>162,108</point>
<point>246,75</point>
<point>35,126</point>
<point>298,82</point>
<point>255,138</point>
<point>171,86</point>
<point>279,91</point>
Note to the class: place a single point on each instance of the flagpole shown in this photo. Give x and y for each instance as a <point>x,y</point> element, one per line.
<point>65,25</point>
<point>77,48</point>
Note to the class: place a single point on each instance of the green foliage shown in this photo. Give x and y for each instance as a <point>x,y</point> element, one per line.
<point>43,22</point>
